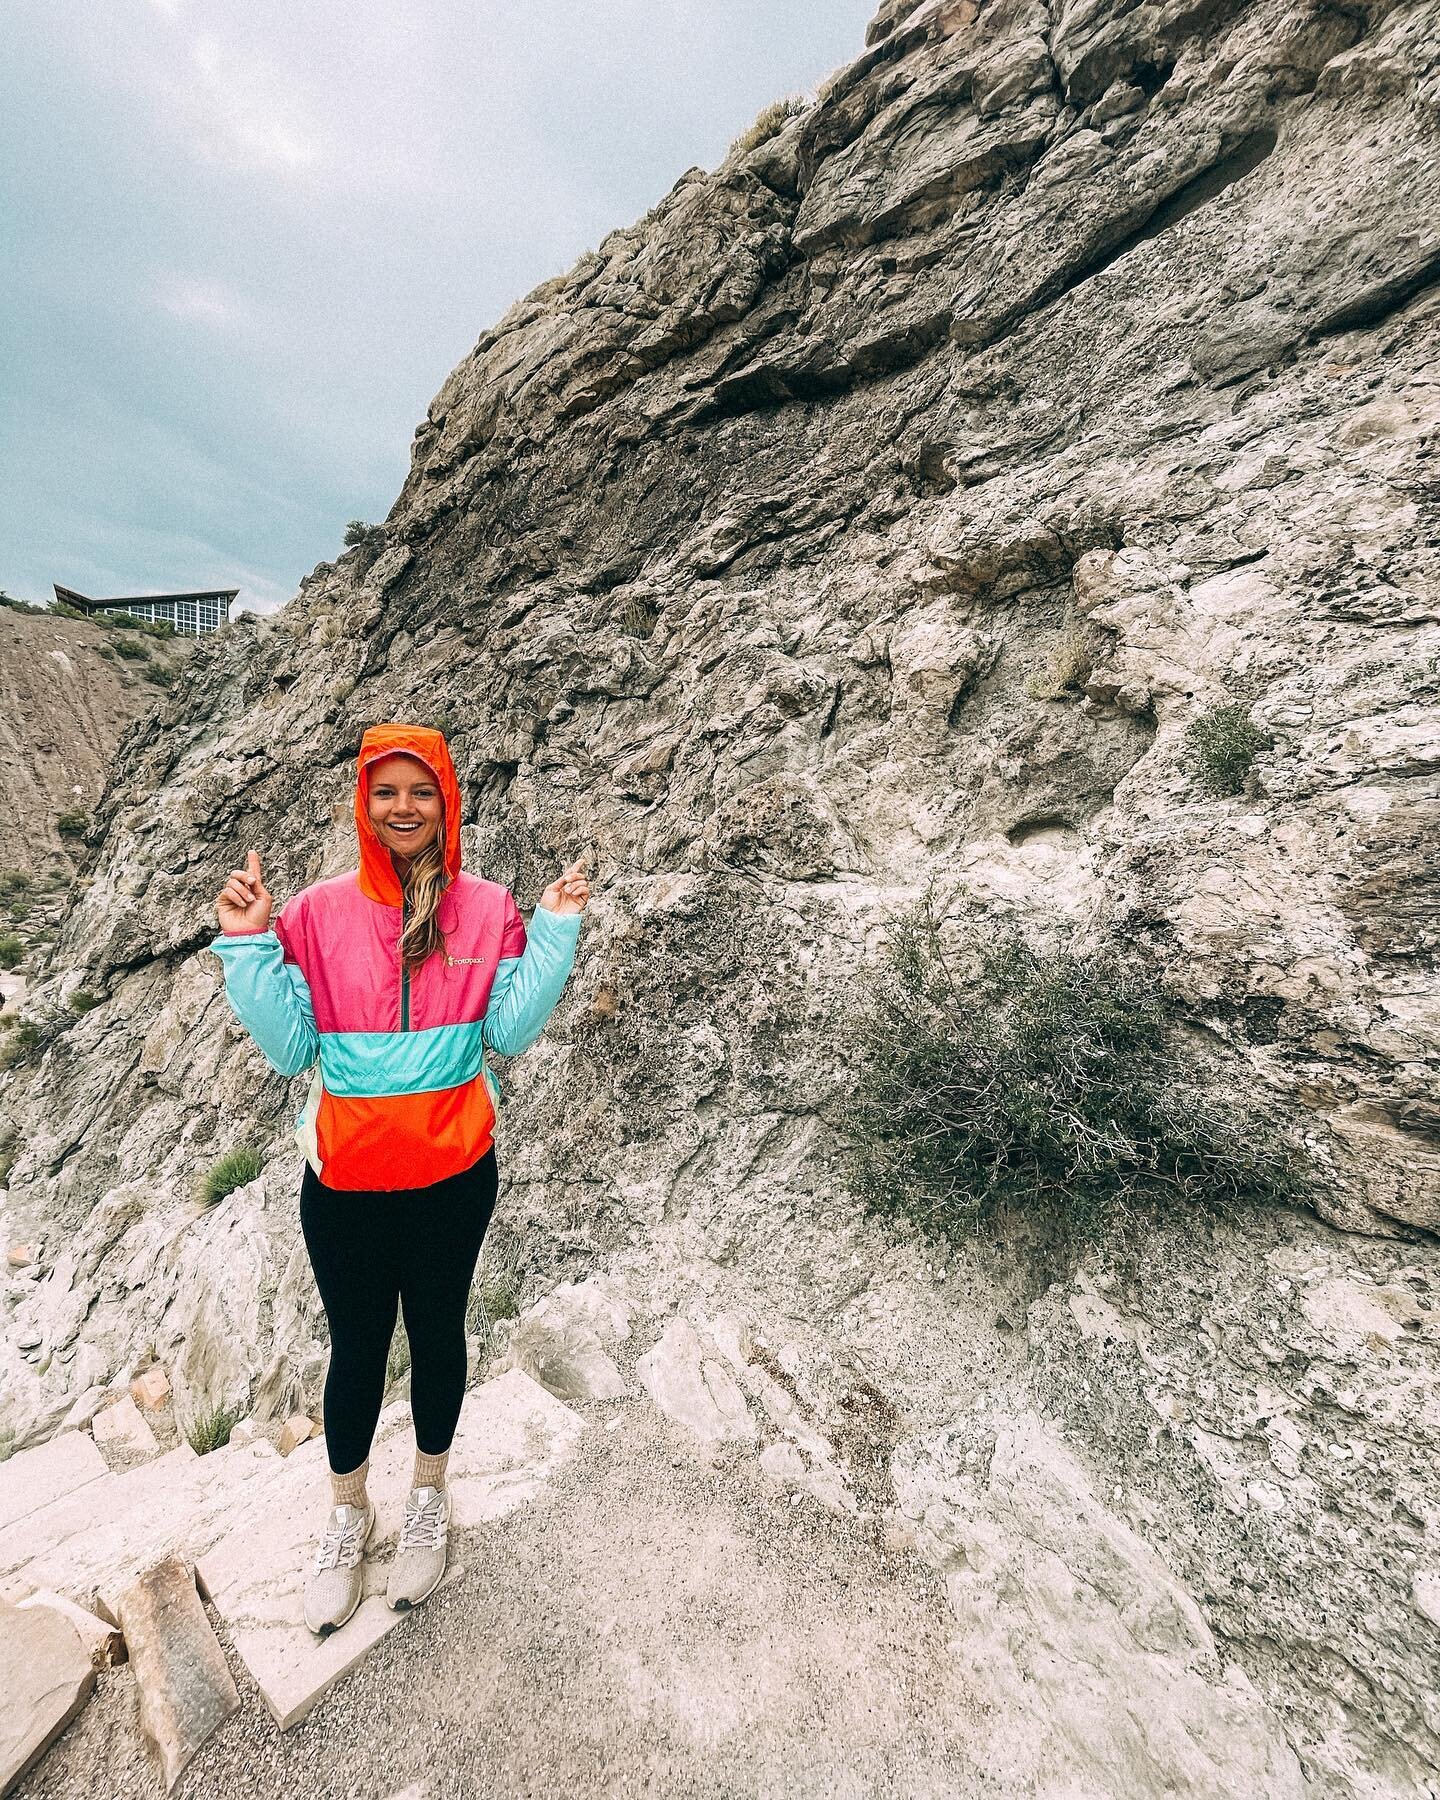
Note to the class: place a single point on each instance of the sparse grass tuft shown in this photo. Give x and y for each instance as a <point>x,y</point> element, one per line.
<point>211,1430</point>
<point>635,616</point>
<point>1001,1078</point>
<point>768,123</point>
<point>397,1363</point>
<point>495,1296</point>
<point>232,1171</point>
<point>1223,744</point>
<point>1071,664</point>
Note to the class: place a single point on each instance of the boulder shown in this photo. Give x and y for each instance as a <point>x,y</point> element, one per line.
<point>32,1479</point>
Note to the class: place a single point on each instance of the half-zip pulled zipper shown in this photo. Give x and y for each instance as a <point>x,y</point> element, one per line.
<point>404,972</point>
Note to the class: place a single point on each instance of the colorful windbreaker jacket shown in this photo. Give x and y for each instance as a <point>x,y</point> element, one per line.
<point>402,1094</point>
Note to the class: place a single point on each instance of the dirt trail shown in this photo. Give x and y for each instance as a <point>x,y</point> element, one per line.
<point>654,1623</point>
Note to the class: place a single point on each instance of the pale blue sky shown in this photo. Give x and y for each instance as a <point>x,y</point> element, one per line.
<point>248,239</point>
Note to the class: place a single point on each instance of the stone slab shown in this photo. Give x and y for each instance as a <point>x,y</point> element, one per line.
<point>32,1479</point>
<point>185,1686</point>
<point>89,1545</point>
<point>511,1437</point>
<point>46,1676</point>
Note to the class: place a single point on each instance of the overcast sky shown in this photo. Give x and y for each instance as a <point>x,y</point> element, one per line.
<point>246,240</point>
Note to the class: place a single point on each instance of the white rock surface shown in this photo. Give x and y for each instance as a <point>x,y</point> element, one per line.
<point>561,1340</point>
<point>694,1389</point>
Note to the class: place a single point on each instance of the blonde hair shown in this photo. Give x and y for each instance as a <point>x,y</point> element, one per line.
<point>424,884</point>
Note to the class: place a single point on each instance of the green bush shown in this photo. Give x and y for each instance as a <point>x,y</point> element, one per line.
<point>14,881</point>
<point>232,1171</point>
<point>67,611</point>
<point>768,122</point>
<point>159,674</point>
<point>11,950</point>
<point>23,1037</point>
<point>1002,1077</point>
<point>82,1002</point>
<point>359,535</point>
<point>132,651</point>
<point>73,824</point>
<point>1223,744</point>
<point>211,1430</point>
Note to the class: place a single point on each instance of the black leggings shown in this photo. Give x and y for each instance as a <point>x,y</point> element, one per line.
<point>370,1249</point>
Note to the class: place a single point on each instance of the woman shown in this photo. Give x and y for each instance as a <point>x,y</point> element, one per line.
<point>397,976</point>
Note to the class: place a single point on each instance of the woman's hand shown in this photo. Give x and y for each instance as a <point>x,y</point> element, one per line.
<point>244,903</point>
<point>569,891</point>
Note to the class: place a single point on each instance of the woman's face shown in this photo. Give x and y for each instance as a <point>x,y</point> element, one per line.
<point>404,803</point>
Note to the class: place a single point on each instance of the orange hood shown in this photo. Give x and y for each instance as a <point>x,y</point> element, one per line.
<point>377,873</point>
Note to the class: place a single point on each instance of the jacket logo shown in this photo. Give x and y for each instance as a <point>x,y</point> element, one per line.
<point>455,960</point>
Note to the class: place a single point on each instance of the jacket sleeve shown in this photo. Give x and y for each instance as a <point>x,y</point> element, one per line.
<point>529,977</point>
<point>270,996</point>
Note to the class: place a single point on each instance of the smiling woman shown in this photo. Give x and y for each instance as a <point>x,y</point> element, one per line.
<point>399,1123</point>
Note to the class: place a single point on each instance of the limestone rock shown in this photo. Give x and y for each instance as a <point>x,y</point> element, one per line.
<point>694,1389</point>
<point>561,1340</point>
<point>122,1427</point>
<point>151,1389</point>
<point>185,1686</point>
<point>1100,1614</point>
<point>296,1429</point>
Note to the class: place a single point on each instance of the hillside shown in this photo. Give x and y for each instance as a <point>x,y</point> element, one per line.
<point>891,506</point>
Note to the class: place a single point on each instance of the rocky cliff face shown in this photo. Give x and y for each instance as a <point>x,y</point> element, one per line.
<point>69,691</point>
<point>752,554</point>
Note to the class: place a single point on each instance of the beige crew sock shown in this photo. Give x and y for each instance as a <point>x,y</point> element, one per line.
<point>430,1470</point>
<point>349,1490</point>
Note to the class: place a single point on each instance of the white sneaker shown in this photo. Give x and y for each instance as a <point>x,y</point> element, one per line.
<point>420,1554</point>
<point>337,1580</point>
